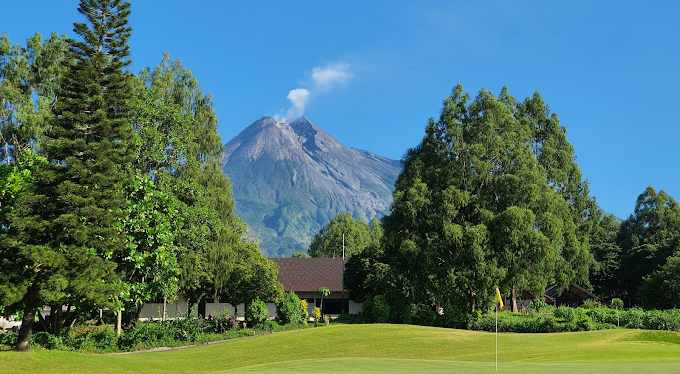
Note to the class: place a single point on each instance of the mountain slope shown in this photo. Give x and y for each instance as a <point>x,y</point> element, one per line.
<point>291,178</point>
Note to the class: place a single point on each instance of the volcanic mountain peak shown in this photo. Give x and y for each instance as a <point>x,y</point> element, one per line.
<point>291,177</point>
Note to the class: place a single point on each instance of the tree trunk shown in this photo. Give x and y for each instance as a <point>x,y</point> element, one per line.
<point>321,306</point>
<point>119,322</point>
<point>202,307</point>
<point>26,329</point>
<point>514,300</point>
<point>165,308</point>
<point>25,332</point>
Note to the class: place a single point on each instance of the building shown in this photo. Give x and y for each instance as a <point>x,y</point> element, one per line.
<point>302,275</point>
<point>306,275</point>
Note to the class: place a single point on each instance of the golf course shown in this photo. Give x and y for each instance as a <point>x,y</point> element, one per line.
<point>382,348</point>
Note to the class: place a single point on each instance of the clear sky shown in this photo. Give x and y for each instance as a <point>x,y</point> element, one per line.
<point>372,72</point>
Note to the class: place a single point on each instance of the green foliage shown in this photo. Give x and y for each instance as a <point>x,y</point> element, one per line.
<point>376,310</point>
<point>649,240</point>
<point>256,313</point>
<point>492,196</point>
<point>580,319</point>
<point>365,274</point>
<point>30,76</point>
<point>289,309</point>
<point>145,335</point>
<point>8,339</point>
<point>316,315</point>
<point>176,142</point>
<point>539,306</point>
<point>61,239</point>
<point>148,263</point>
<point>591,303</point>
<point>126,201</point>
<point>662,288</point>
<point>607,253</point>
<point>355,234</point>
<point>616,303</point>
<point>222,323</point>
<point>158,334</point>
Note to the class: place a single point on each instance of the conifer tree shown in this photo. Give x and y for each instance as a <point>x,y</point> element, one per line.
<point>67,229</point>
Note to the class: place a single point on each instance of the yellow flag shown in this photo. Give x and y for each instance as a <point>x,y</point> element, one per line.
<point>499,299</point>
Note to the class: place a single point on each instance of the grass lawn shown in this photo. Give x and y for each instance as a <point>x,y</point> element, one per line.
<point>378,349</point>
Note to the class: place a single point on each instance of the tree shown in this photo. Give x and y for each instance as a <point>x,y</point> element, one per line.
<point>342,231</point>
<point>30,77</point>
<point>177,145</point>
<point>148,263</point>
<point>67,223</point>
<point>607,254</point>
<point>491,196</point>
<point>648,238</point>
<point>324,292</point>
<point>365,274</point>
<point>661,289</point>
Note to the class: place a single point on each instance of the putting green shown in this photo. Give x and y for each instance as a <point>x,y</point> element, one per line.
<point>377,349</point>
<point>397,366</point>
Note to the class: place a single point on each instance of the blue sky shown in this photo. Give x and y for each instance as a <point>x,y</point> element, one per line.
<point>374,71</point>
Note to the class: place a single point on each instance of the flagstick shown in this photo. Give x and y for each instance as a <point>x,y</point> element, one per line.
<point>496,336</point>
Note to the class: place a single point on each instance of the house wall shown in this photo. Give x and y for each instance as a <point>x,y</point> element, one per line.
<point>180,307</point>
<point>219,309</point>
<point>176,309</point>
<point>6,324</point>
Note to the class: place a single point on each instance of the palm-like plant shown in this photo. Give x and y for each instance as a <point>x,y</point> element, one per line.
<point>324,291</point>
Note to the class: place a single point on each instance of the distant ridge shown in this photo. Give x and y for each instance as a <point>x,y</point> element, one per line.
<point>291,178</point>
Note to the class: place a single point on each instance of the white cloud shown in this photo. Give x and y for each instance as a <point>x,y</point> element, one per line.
<point>298,97</point>
<point>331,76</point>
<point>323,79</point>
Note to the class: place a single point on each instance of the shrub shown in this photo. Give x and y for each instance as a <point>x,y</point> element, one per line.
<point>221,324</point>
<point>590,304</point>
<point>289,309</point>
<point>147,335</point>
<point>317,315</point>
<point>565,313</point>
<point>186,329</point>
<point>633,318</point>
<point>159,334</point>
<point>376,310</point>
<point>539,306</point>
<point>257,313</point>
<point>92,339</point>
<point>616,303</point>
<point>8,339</point>
<point>270,326</point>
<point>49,341</point>
<point>304,307</point>
<point>536,323</point>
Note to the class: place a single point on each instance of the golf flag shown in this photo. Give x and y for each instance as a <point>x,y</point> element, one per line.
<point>499,299</point>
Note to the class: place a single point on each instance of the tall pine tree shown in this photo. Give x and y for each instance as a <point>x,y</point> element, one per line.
<point>67,230</point>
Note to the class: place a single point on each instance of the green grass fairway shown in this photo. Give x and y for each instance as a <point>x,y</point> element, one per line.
<point>378,349</point>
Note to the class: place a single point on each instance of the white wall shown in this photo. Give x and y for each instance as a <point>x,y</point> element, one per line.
<point>8,324</point>
<point>172,310</point>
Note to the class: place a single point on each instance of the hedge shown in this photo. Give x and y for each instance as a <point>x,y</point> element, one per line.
<point>579,319</point>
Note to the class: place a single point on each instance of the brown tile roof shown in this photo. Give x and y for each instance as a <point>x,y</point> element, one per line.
<point>308,274</point>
